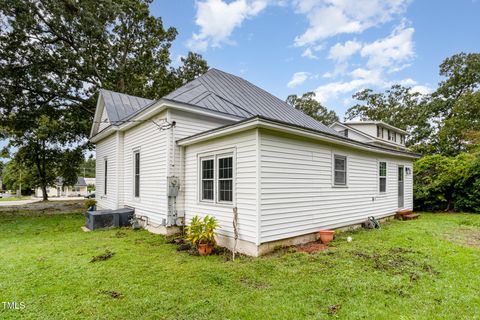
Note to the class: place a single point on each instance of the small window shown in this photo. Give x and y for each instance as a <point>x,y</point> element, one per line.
<point>105,178</point>
<point>395,137</point>
<point>137,174</point>
<point>383,133</point>
<point>225,179</point>
<point>379,132</point>
<point>340,170</point>
<point>207,180</point>
<point>382,176</point>
<point>389,135</point>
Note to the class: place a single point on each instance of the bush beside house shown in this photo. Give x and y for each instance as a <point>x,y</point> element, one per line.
<point>448,183</point>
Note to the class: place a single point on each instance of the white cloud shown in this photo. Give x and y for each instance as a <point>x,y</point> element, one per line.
<point>422,89</point>
<point>341,52</point>
<point>389,52</point>
<point>297,79</point>
<point>308,53</point>
<point>328,18</point>
<point>217,20</point>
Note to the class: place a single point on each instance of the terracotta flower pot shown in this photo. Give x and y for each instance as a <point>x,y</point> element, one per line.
<point>205,249</point>
<point>326,236</point>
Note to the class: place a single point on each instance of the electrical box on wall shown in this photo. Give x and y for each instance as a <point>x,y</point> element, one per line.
<point>173,186</point>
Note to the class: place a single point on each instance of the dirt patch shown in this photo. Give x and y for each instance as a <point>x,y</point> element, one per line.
<point>312,247</point>
<point>333,309</point>
<point>112,294</point>
<point>398,261</point>
<point>254,284</point>
<point>43,207</point>
<point>102,257</point>
<point>465,237</point>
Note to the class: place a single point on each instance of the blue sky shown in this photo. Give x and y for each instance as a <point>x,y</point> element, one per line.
<point>331,47</point>
<point>334,47</point>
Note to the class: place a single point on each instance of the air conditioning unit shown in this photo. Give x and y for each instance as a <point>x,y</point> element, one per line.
<point>108,218</point>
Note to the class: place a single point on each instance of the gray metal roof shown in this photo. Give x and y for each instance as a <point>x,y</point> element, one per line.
<point>220,91</point>
<point>217,91</point>
<point>119,106</point>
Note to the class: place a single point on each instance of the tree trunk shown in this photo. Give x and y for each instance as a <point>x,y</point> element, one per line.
<point>44,192</point>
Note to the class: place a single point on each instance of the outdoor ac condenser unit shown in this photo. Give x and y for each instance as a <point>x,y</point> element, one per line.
<point>108,218</point>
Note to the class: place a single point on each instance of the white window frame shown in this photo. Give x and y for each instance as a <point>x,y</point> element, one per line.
<point>217,174</point>
<point>380,177</point>
<point>105,176</point>
<point>202,159</point>
<point>216,155</point>
<point>335,185</point>
<point>134,162</point>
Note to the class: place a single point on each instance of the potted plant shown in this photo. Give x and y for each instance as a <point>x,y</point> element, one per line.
<point>326,236</point>
<point>201,234</point>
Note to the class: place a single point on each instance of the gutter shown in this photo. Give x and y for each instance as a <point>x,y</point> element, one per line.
<point>267,123</point>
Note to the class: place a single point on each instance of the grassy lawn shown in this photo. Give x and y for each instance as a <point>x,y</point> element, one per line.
<point>14,198</point>
<point>425,269</point>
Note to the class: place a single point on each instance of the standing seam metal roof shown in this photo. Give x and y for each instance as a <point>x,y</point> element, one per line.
<point>220,92</point>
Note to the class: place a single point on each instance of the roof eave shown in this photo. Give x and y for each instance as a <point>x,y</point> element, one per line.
<point>261,122</point>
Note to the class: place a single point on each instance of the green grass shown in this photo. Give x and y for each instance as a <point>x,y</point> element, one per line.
<point>14,198</point>
<point>424,269</point>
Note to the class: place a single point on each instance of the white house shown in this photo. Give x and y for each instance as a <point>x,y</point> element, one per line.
<point>61,190</point>
<point>220,143</point>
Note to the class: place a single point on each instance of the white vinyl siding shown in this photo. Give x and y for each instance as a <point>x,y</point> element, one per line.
<point>187,124</point>
<point>152,144</point>
<point>105,154</point>
<point>297,195</point>
<point>245,184</point>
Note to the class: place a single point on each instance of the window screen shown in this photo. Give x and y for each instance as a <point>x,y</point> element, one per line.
<point>340,170</point>
<point>137,174</point>
<point>382,174</point>
<point>225,179</point>
<point>207,179</point>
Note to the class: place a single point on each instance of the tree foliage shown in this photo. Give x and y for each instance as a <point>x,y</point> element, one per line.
<point>398,106</point>
<point>312,107</point>
<point>55,55</point>
<point>448,183</point>
<point>437,123</point>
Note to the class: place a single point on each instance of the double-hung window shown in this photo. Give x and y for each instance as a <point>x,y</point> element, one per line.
<point>105,164</point>
<point>340,170</point>
<point>207,183</point>
<point>382,177</point>
<point>216,178</point>
<point>136,160</point>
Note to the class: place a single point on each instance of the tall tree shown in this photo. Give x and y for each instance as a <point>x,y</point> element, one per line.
<point>398,106</point>
<point>312,107</point>
<point>55,55</point>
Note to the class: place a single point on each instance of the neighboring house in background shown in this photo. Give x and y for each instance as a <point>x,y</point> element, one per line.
<point>220,143</point>
<point>373,132</point>
<point>59,190</point>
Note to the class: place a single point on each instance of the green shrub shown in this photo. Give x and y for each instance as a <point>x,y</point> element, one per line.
<point>89,203</point>
<point>202,231</point>
<point>447,183</point>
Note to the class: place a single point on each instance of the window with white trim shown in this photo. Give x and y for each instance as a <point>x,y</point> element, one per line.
<point>136,165</point>
<point>225,179</point>
<point>105,163</point>
<point>382,177</point>
<point>207,179</point>
<point>340,170</point>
